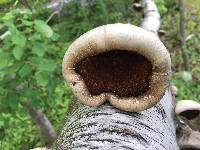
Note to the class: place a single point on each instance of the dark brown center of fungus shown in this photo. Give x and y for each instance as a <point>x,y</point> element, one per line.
<point>124,73</point>
<point>190,114</point>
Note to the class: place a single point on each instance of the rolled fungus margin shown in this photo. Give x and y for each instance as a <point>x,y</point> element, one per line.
<point>121,37</point>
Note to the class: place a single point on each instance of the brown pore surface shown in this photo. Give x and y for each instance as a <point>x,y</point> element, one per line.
<point>190,114</point>
<point>121,72</point>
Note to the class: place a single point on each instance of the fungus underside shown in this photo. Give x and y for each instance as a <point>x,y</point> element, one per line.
<point>121,72</point>
<point>190,114</point>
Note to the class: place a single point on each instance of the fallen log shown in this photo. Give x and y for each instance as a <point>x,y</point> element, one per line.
<point>105,127</point>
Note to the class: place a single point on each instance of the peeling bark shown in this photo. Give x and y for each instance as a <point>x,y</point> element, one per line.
<point>106,127</point>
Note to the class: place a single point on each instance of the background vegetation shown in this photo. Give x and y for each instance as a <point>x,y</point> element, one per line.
<point>31,52</point>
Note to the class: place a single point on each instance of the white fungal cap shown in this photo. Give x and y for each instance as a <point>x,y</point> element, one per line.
<point>186,105</point>
<point>121,37</point>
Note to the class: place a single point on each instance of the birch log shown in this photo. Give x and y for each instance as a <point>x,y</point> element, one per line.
<point>105,127</point>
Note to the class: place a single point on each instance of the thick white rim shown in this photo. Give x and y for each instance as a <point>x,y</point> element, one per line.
<point>120,37</point>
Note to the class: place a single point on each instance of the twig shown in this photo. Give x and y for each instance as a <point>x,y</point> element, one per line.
<point>56,11</point>
<point>182,35</point>
<point>42,122</point>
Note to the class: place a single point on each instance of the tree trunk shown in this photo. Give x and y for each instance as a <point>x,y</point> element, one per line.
<point>106,127</point>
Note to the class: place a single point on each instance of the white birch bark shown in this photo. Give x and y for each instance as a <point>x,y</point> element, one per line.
<point>151,20</point>
<point>105,128</point>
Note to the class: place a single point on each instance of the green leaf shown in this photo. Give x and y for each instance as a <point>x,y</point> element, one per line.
<point>18,52</point>
<point>186,76</point>
<point>18,39</point>
<point>1,123</point>
<point>2,2</point>
<point>8,16</point>
<point>25,71</point>
<point>13,100</point>
<point>53,82</point>
<point>11,27</point>
<point>43,28</point>
<point>43,64</point>
<point>55,37</point>
<point>31,93</point>
<point>27,23</point>
<point>42,78</point>
<point>12,69</point>
<point>47,65</point>
<point>4,60</point>
<point>35,37</point>
<point>39,49</point>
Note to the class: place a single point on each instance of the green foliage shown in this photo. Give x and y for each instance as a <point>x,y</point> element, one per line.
<point>187,82</point>
<point>43,28</point>
<point>81,19</point>
<point>161,4</point>
<point>30,71</point>
<point>3,2</point>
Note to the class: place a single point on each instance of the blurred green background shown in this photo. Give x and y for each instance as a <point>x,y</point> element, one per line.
<point>31,52</point>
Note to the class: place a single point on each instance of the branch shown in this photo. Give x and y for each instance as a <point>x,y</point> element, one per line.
<point>151,20</point>
<point>42,122</point>
<point>56,11</point>
<point>182,34</point>
<point>55,5</point>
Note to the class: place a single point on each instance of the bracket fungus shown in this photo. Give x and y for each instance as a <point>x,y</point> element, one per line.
<point>189,112</point>
<point>120,63</point>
